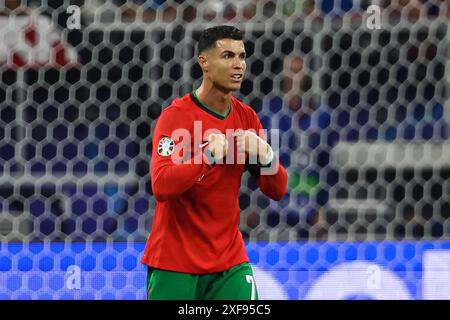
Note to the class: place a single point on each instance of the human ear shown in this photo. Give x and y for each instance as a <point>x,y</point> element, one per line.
<point>203,62</point>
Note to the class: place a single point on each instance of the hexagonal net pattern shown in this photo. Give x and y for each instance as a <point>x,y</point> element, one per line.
<point>362,115</point>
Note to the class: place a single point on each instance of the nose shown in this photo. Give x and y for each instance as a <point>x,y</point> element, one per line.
<point>238,63</point>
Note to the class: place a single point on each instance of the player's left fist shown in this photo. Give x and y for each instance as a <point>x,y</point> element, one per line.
<point>249,142</point>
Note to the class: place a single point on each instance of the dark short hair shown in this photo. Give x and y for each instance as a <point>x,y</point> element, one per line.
<point>209,36</point>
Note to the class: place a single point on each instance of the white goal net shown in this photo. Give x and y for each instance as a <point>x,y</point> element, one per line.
<point>363,115</point>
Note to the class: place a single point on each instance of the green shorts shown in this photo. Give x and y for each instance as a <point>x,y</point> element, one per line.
<point>236,283</point>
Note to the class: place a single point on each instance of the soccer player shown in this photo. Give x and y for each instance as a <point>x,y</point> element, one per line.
<point>195,249</point>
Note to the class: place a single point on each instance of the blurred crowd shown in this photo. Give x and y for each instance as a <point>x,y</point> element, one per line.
<point>237,10</point>
<point>257,10</point>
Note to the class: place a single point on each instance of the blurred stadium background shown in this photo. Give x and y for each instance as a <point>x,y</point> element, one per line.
<point>364,119</point>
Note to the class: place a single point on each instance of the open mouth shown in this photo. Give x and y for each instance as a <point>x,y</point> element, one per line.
<point>236,77</point>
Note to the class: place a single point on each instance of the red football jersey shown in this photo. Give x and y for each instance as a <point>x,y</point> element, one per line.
<point>196,222</point>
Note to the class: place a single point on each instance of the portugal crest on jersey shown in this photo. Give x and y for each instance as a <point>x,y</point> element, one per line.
<point>165,147</point>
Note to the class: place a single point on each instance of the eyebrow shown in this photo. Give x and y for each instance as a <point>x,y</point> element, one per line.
<point>233,53</point>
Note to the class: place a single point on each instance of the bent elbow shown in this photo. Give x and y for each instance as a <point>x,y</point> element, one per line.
<point>159,193</point>
<point>277,196</point>
<point>274,193</point>
<point>160,197</point>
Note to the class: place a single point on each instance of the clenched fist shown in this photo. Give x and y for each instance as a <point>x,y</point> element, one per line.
<point>218,146</point>
<point>249,142</point>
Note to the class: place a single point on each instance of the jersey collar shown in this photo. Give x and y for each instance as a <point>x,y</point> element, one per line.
<point>208,109</point>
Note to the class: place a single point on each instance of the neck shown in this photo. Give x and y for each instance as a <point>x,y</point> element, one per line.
<point>214,98</point>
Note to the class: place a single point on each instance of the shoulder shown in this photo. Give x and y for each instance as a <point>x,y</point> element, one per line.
<point>243,108</point>
<point>178,107</point>
<point>245,111</point>
<point>179,104</point>
<point>178,112</point>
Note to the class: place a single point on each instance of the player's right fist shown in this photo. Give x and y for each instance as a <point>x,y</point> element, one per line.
<point>218,146</point>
